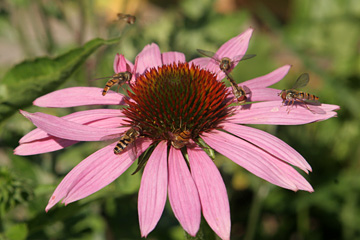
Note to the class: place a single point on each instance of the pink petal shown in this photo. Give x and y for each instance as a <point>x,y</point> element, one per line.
<point>93,173</point>
<point>258,94</point>
<point>274,112</point>
<point>253,159</point>
<point>183,195</point>
<point>212,192</point>
<point>44,145</point>
<point>201,62</point>
<point>82,117</point>
<point>172,57</point>
<point>61,128</point>
<point>231,49</point>
<point>268,79</point>
<point>149,57</point>
<point>263,94</point>
<point>269,143</point>
<point>43,142</point>
<point>153,189</point>
<point>121,64</point>
<point>79,96</point>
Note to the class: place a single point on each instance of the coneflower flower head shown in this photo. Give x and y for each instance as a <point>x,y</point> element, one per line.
<point>177,97</point>
<point>174,104</point>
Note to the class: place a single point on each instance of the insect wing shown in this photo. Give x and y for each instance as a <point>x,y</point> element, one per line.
<point>239,58</point>
<point>315,109</point>
<point>206,53</point>
<point>302,81</point>
<point>209,54</point>
<point>112,136</point>
<point>246,89</point>
<point>132,151</point>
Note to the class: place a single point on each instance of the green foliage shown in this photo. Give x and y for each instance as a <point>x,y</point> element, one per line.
<point>13,190</point>
<point>32,79</point>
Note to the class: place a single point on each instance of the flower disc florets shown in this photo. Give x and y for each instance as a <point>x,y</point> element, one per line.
<point>177,97</point>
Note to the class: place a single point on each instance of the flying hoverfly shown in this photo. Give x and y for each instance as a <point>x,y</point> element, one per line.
<point>292,95</point>
<point>180,139</point>
<point>225,63</point>
<point>130,19</point>
<point>118,78</point>
<point>127,139</point>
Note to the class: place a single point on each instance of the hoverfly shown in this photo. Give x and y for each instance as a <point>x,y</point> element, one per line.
<point>130,19</point>
<point>127,138</point>
<point>225,63</point>
<point>292,95</point>
<point>120,78</point>
<point>238,91</point>
<point>180,139</point>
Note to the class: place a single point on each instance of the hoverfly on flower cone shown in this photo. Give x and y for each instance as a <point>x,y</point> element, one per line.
<point>180,139</point>
<point>118,78</point>
<point>225,65</point>
<point>292,95</point>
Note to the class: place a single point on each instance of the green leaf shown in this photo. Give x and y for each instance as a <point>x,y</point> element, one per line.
<point>31,79</point>
<point>17,232</point>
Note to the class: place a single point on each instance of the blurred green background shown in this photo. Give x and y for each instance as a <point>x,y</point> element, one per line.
<point>321,37</point>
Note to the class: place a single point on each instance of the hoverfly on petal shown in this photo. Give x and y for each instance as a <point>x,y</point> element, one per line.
<point>292,95</point>
<point>127,139</point>
<point>118,78</point>
<point>225,63</point>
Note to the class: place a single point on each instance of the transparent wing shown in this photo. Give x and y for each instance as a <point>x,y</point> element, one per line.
<point>246,89</point>
<point>312,102</point>
<point>209,54</point>
<point>122,15</point>
<point>302,81</point>
<point>315,109</point>
<point>132,151</point>
<point>206,53</point>
<point>239,58</point>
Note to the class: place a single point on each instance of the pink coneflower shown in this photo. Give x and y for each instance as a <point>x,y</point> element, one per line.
<point>171,97</point>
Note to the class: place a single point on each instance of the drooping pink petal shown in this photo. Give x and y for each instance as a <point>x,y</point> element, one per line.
<point>183,195</point>
<point>79,96</point>
<point>212,192</point>
<point>269,143</point>
<point>253,159</point>
<point>172,57</point>
<point>232,49</point>
<point>201,62</point>
<point>121,64</point>
<point>93,173</point>
<point>153,189</point>
<point>148,58</point>
<point>274,112</point>
<point>43,142</point>
<point>43,145</point>
<point>61,128</point>
<point>82,117</point>
<point>268,79</point>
